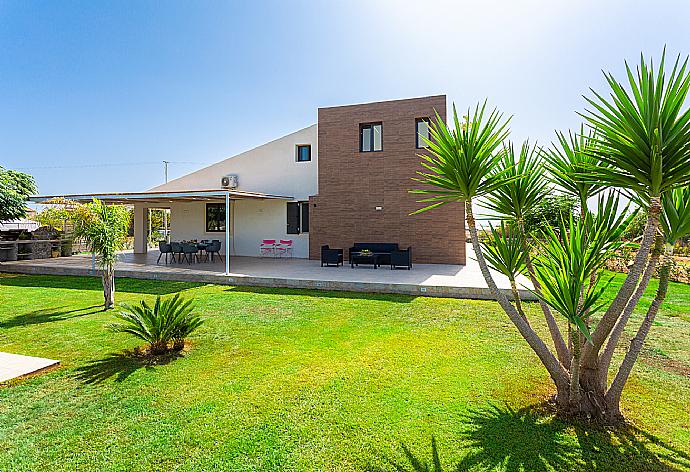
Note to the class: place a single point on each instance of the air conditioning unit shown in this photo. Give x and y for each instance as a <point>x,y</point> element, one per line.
<point>229,181</point>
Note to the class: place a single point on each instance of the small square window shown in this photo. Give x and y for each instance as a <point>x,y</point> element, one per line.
<point>371,137</point>
<point>422,132</point>
<point>303,152</point>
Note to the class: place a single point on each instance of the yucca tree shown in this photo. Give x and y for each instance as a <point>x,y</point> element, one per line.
<point>504,250</point>
<point>526,185</point>
<point>168,321</point>
<point>462,164</point>
<point>104,229</point>
<point>643,141</point>
<point>675,224</point>
<point>641,146</point>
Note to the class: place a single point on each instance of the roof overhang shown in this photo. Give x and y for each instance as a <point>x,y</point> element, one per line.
<point>161,198</point>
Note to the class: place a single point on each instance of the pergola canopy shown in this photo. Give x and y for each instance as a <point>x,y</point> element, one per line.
<point>162,198</point>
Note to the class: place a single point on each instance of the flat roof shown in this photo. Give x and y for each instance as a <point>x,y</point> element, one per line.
<point>163,197</point>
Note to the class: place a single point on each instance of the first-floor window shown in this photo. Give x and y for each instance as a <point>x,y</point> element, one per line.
<point>303,152</point>
<point>215,217</point>
<point>371,137</point>
<point>297,217</point>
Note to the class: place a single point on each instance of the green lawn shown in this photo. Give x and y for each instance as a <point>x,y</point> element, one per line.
<point>299,380</point>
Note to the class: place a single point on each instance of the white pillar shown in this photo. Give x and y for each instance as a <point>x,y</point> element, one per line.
<point>227,233</point>
<point>140,229</point>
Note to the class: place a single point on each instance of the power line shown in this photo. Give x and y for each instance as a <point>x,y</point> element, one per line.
<point>121,164</point>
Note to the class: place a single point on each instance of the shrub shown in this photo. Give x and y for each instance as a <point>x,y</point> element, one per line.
<point>636,226</point>
<point>167,323</point>
<point>549,212</point>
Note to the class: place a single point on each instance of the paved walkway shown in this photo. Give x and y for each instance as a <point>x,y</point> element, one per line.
<point>14,365</point>
<point>443,280</point>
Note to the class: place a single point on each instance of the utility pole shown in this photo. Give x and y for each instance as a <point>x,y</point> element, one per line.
<point>165,211</point>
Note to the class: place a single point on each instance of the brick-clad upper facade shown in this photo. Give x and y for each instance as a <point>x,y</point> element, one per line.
<point>352,184</point>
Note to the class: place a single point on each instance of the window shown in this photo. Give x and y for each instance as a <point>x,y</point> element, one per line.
<point>215,217</point>
<point>303,152</point>
<point>422,132</point>
<point>297,217</point>
<point>371,137</point>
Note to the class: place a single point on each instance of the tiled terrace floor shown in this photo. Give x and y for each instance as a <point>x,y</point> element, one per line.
<point>424,279</point>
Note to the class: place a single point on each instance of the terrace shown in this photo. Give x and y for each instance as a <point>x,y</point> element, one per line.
<point>441,280</point>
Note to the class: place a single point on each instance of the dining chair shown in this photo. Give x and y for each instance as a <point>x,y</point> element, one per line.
<point>214,249</point>
<point>166,249</point>
<point>190,252</point>
<point>176,249</point>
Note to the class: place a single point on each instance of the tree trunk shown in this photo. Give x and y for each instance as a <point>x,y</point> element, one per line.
<point>562,351</point>
<point>574,395</point>
<point>590,376</point>
<point>613,396</point>
<point>590,353</point>
<point>516,299</point>
<point>553,366</point>
<point>108,287</point>
<point>618,330</point>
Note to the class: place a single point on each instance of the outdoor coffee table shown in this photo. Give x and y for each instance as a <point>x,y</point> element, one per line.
<point>357,258</point>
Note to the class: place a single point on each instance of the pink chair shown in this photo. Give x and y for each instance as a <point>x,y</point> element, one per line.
<point>284,248</point>
<point>267,247</point>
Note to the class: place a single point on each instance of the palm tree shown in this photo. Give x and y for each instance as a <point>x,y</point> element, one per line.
<point>461,165</point>
<point>168,321</point>
<point>642,147</point>
<point>104,229</point>
<point>643,143</point>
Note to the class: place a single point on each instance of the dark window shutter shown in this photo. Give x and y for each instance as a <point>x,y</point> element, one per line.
<point>293,218</point>
<point>305,217</point>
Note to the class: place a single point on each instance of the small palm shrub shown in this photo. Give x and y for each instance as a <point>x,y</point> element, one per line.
<point>163,326</point>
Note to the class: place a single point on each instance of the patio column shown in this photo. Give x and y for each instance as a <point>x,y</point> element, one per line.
<point>140,229</point>
<point>227,233</point>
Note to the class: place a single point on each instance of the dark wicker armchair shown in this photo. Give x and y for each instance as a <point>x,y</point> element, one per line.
<point>401,258</point>
<point>330,257</point>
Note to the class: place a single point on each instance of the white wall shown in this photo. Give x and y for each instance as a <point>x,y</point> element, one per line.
<point>270,168</point>
<point>254,220</point>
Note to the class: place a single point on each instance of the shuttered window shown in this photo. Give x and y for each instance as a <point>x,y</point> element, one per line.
<point>293,218</point>
<point>305,217</point>
<point>297,217</point>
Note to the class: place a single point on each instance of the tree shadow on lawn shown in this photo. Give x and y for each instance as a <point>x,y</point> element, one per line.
<point>70,282</point>
<point>49,315</point>
<point>307,292</point>
<point>502,438</point>
<point>121,365</point>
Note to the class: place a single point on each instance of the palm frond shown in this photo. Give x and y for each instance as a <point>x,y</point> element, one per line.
<point>675,217</point>
<point>461,163</point>
<point>525,184</point>
<point>643,139</point>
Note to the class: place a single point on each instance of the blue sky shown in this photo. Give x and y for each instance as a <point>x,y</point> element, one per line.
<point>95,95</point>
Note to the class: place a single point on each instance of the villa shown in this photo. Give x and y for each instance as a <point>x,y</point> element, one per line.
<point>342,180</point>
